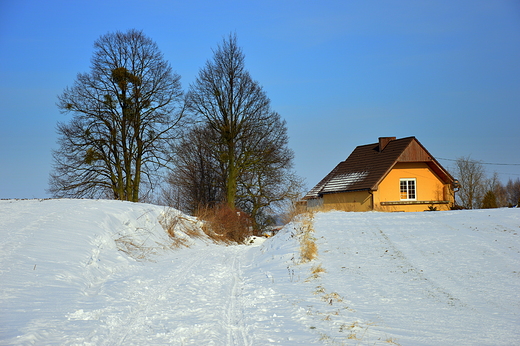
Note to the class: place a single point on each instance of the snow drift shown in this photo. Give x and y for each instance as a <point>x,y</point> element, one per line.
<point>85,272</point>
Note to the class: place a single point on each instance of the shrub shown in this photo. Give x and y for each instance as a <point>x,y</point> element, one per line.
<point>225,224</point>
<point>489,200</point>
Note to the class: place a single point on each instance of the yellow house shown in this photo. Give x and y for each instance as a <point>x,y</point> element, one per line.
<point>390,175</point>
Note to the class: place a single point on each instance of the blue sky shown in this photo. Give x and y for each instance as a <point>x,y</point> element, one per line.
<point>342,73</point>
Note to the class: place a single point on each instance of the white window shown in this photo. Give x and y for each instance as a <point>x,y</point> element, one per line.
<point>407,189</point>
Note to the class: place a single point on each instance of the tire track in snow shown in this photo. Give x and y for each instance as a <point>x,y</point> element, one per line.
<point>236,333</point>
<point>12,238</point>
<point>432,290</point>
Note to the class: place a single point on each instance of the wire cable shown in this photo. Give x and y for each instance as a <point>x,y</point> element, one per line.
<point>483,163</point>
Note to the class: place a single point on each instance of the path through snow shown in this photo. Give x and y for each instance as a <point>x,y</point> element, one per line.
<point>205,301</point>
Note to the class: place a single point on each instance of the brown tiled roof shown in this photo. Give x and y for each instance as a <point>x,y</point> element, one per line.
<point>366,167</point>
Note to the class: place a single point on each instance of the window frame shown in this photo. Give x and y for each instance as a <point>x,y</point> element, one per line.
<point>408,190</point>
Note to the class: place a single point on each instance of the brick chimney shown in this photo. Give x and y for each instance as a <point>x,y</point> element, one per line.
<point>383,141</point>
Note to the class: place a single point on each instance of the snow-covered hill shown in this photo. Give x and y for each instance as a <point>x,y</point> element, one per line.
<point>84,272</point>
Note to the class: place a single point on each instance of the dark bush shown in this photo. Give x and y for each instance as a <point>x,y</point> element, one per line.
<point>489,200</point>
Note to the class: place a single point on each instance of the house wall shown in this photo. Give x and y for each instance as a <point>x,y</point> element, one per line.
<point>430,190</point>
<point>348,201</point>
<point>314,203</point>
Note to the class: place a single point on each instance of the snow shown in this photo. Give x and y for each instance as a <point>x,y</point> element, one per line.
<point>342,182</point>
<point>94,272</point>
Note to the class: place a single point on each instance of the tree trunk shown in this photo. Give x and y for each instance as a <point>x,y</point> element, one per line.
<point>231,179</point>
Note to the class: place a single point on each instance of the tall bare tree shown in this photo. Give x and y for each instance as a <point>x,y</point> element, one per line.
<point>495,185</point>
<point>270,182</point>
<point>124,111</point>
<point>239,153</point>
<point>471,176</point>
<point>513,192</point>
<point>198,180</point>
<point>234,106</point>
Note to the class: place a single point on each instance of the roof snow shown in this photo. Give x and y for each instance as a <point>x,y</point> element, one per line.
<point>343,181</point>
<point>340,182</point>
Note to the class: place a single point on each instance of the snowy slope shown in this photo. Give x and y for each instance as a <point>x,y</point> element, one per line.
<point>443,278</point>
<point>84,272</point>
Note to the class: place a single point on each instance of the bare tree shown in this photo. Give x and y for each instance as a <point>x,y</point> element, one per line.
<point>239,153</point>
<point>270,182</point>
<point>124,112</point>
<point>513,192</point>
<point>197,180</point>
<point>471,176</point>
<point>494,185</point>
<point>234,106</point>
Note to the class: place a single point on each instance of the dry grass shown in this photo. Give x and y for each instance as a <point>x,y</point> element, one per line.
<point>308,247</point>
<point>332,298</point>
<point>315,272</point>
<point>138,245</point>
<point>172,221</point>
<point>317,269</point>
<point>392,341</point>
<point>134,249</point>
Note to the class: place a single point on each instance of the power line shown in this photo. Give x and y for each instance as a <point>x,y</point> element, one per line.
<point>507,173</point>
<point>484,163</point>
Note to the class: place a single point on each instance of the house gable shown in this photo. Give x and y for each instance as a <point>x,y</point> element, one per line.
<point>429,190</point>
<point>416,152</point>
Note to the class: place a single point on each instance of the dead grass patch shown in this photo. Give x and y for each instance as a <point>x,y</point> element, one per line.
<point>317,269</point>
<point>332,298</point>
<point>134,245</point>
<point>173,221</point>
<point>315,272</point>
<point>308,247</point>
<point>392,341</point>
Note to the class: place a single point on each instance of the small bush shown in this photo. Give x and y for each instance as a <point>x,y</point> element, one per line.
<point>489,201</point>
<point>225,224</point>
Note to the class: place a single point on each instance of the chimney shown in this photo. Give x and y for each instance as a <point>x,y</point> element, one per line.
<point>383,141</point>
